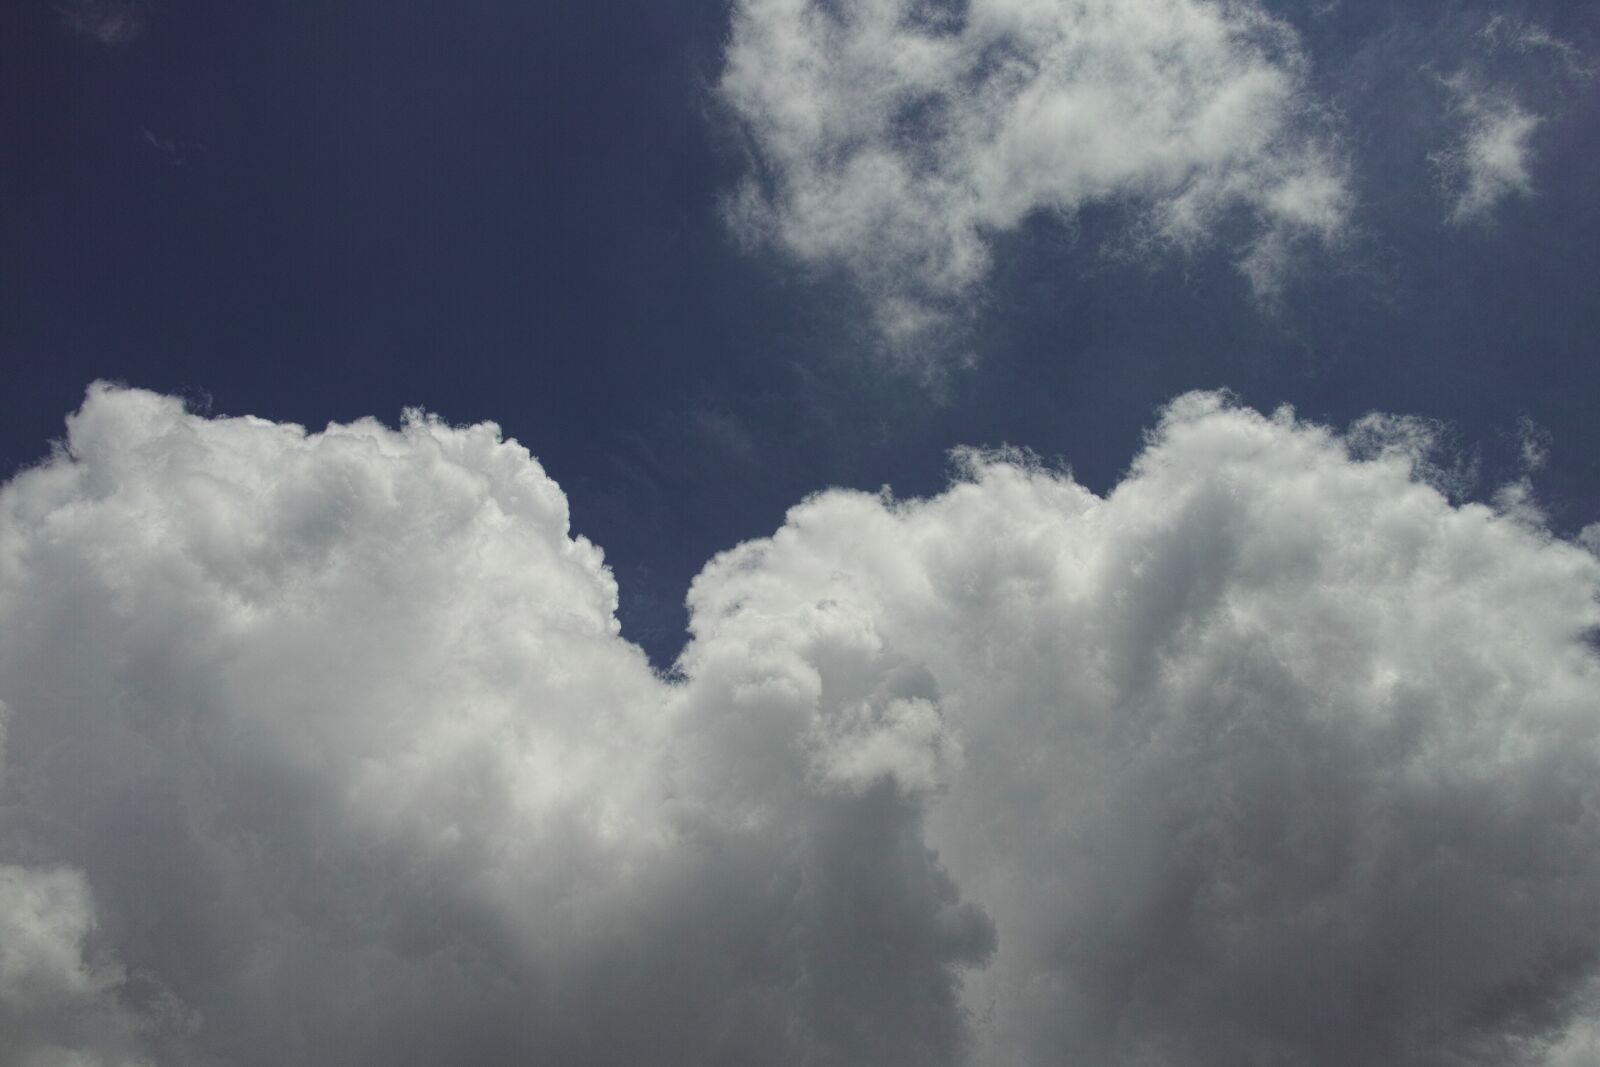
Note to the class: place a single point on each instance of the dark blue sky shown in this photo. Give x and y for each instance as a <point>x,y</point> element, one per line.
<point>510,211</point>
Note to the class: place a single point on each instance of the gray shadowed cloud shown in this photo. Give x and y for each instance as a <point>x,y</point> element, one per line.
<point>324,749</point>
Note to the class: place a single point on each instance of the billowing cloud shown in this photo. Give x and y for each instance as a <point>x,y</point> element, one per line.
<point>340,732</point>
<point>324,748</point>
<point>897,138</point>
<point>1251,749</point>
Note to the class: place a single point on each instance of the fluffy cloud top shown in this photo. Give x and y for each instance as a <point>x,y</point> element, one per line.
<point>897,138</point>
<point>323,748</point>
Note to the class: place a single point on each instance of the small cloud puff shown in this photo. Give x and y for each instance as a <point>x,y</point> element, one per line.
<point>329,741</point>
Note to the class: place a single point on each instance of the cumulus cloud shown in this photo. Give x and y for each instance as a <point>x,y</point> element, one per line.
<point>1490,163</point>
<point>339,729</point>
<point>896,139</point>
<point>1271,755</point>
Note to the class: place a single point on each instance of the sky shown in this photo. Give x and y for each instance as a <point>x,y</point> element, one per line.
<point>818,532</point>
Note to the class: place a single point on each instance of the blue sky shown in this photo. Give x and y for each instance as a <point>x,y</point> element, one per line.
<point>705,259</point>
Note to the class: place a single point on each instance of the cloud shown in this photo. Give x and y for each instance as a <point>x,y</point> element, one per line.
<point>58,1006</point>
<point>1515,76</point>
<point>46,917</point>
<point>1273,754</point>
<point>1251,751</point>
<point>112,23</point>
<point>1517,35</point>
<point>341,733</point>
<point>1579,1046</point>
<point>1490,163</point>
<point>1589,537</point>
<point>897,139</point>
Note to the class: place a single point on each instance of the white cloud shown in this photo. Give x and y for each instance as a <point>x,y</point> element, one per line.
<point>1258,764</point>
<point>1490,163</point>
<point>1271,755</point>
<point>897,138</point>
<point>341,733</point>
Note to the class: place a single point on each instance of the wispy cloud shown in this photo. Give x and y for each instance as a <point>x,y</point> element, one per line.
<point>1490,163</point>
<point>108,22</point>
<point>1497,101</point>
<point>1519,35</point>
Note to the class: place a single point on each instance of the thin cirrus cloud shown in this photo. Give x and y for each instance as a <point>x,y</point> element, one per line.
<point>896,139</point>
<point>325,749</point>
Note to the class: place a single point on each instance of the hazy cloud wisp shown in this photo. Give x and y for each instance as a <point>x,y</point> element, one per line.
<point>112,23</point>
<point>1491,162</point>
